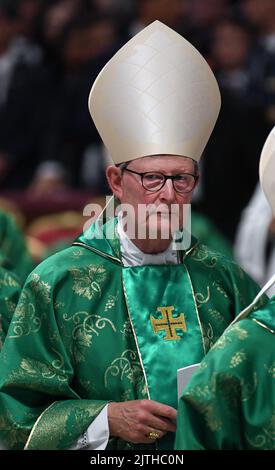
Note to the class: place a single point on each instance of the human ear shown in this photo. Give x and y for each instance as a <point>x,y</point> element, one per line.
<point>114,178</point>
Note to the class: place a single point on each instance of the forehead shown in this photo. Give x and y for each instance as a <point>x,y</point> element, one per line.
<point>163,163</point>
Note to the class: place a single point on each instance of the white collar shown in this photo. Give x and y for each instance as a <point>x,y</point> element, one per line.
<point>133,256</point>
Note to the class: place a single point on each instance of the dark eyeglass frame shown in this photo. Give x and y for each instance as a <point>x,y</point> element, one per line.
<point>166,177</point>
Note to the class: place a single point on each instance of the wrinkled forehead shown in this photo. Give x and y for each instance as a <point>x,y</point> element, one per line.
<point>163,162</point>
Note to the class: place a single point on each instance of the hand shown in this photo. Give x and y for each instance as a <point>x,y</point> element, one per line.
<point>133,420</point>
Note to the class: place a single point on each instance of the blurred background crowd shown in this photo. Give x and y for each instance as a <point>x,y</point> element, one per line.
<point>51,158</point>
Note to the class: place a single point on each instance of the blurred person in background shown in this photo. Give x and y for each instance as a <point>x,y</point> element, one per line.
<point>57,16</point>
<point>229,55</point>
<point>254,246</point>
<point>30,13</point>
<point>170,12</point>
<point>24,91</point>
<point>202,17</point>
<point>242,126</point>
<point>118,9</point>
<point>73,143</point>
<point>261,15</point>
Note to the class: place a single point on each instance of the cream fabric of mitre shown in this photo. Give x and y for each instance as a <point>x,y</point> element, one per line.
<point>156,96</point>
<point>267,169</point>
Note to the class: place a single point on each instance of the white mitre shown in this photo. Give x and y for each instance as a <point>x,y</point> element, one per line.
<point>157,95</point>
<point>267,169</point>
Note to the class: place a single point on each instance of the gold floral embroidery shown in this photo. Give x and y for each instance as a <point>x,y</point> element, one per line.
<point>217,316</point>
<point>127,365</point>
<point>12,434</point>
<point>58,305</point>
<point>240,332</point>
<point>111,301</point>
<point>220,289</point>
<point>8,281</point>
<point>237,359</point>
<point>202,254</point>
<point>116,244</point>
<point>39,369</point>
<point>126,395</point>
<point>222,386</point>
<point>202,299</point>
<point>127,329</point>
<point>25,320</point>
<point>230,335</point>
<point>239,295</point>
<point>61,424</point>
<point>266,439</point>
<point>88,387</point>
<point>10,305</point>
<point>208,336</point>
<point>86,325</point>
<point>270,369</point>
<point>77,253</point>
<point>88,280</point>
<point>40,288</point>
<point>143,386</point>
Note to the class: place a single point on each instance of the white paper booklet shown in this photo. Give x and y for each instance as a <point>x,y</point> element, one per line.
<point>184,375</point>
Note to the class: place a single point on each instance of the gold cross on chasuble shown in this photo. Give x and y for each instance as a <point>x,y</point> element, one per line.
<point>168,323</point>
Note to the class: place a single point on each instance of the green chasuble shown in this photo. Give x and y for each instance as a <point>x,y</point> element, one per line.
<point>10,289</point>
<point>229,403</point>
<point>209,235</point>
<point>88,330</point>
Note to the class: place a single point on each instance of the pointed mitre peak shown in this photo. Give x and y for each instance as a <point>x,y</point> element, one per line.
<point>157,95</point>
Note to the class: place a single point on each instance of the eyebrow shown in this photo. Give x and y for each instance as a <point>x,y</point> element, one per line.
<point>165,172</point>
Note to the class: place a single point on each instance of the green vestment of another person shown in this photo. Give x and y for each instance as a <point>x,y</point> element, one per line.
<point>229,403</point>
<point>88,330</point>
<point>10,289</point>
<point>14,253</point>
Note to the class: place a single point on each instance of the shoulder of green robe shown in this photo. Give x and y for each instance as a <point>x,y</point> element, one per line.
<point>102,238</point>
<point>58,266</point>
<point>211,268</point>
<point>210,258</point>
<point>201,252</point>
<point>236,352</point>
<point>264,315</point>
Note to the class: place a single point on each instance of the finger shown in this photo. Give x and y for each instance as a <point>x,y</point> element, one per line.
<point>152,434</point>
<point>165,411</point>
<point>159,422</point>
<point>162,424</point>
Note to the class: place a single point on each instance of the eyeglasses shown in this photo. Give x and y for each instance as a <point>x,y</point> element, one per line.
<point>154,181</point>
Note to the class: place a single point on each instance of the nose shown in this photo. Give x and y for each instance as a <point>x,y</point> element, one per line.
<point>167,193</point>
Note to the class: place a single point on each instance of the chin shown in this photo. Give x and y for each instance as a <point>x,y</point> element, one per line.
<point>160,229</point>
